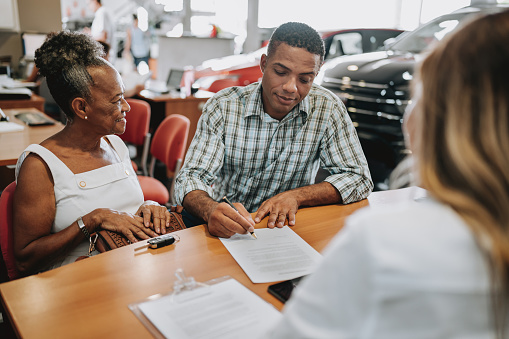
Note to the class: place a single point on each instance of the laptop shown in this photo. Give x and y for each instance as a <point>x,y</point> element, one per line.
<point>172,83</point>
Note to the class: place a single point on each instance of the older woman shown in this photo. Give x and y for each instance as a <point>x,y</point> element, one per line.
<point>435,267</point>
<point>79,180</point>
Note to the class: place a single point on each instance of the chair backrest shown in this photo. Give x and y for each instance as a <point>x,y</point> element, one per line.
<point>220,84</point>
<point>170,140</point>
<point>138,122</point>
<point>6,235</point>
<point>137,129</point>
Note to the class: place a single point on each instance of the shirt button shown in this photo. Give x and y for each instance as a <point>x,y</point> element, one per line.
<point>83,184</point>
<point>127,172</point>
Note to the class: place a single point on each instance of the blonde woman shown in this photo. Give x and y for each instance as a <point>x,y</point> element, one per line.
<point>435,267</point>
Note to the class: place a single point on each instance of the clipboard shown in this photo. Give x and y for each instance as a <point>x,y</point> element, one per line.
<point>156,312</point>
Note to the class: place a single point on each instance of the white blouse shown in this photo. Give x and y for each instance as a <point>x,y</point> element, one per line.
<point>114,186</point>
<point>407,271</point>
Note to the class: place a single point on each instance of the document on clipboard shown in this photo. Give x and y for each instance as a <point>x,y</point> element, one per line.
<point>222,308</point>
<point>278,254</point>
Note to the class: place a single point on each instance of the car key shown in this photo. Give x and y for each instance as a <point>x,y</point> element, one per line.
<point>161,241</point>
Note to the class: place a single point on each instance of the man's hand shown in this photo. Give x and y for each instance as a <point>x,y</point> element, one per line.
<point>280,208</point>
<point>221,219</point>
<point>284,206</point>
<point>224,221</point>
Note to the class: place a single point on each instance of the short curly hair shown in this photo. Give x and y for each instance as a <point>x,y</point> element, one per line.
<point>297,34</point>
<point>63,59</point>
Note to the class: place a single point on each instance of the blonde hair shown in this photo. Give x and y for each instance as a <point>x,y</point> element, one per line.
<point>461,140</point>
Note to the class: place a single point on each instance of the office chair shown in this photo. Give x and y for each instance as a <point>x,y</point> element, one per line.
<point>6,235</point>
<point>220,84</point>
<point>168,146</point>
<point>137,130</point>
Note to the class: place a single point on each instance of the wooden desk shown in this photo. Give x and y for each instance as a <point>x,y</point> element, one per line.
<point>167,104</point>
<point>35,102</point>
<point>90,298</point>
<point>13,143</point>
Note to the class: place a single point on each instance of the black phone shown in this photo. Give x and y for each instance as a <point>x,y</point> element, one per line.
<point>283,290</point>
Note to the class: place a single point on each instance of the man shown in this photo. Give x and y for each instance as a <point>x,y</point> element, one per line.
<point>261,145</point>
<point>102,28</point>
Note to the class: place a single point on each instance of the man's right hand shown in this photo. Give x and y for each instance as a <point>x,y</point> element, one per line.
<point>224,221</point>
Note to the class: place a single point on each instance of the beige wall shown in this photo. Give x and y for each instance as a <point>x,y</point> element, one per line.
<point>40,16</point>
<point>36,16</point>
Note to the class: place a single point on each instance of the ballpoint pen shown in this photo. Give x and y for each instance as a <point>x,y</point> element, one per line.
<point>231,205</point>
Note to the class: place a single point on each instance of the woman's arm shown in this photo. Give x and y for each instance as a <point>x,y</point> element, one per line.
<point>35,247</point>
<point>34,211</point>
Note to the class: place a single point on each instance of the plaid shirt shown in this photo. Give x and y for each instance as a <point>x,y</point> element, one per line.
<point>241,152</point>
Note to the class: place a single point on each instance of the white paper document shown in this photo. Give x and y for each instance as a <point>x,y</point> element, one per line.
<point>278,254</point>
<point>10,127</point>
<point>225,310</point>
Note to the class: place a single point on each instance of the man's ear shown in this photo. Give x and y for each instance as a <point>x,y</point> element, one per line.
<point>79,106</point>
<point>263,62</point>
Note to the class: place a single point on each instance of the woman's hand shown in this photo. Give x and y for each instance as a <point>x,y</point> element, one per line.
<point>155,216</point>
<point>125,223</point>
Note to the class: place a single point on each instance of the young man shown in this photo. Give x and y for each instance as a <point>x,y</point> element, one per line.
<point>262,145</point>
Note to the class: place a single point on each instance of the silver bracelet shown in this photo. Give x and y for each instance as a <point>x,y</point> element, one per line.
<point>82,227</point>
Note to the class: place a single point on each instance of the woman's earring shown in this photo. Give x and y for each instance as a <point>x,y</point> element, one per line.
<point>86,117</point>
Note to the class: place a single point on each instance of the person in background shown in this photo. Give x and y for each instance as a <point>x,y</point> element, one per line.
<point>130,80</point>
<point>79,180</point>
<point>103,27</point>
<point>261,145</point>
<point>138,43</point>
<point>436,267</point>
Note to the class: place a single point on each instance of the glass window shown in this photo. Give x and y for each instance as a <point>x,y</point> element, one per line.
<point>346,43</point>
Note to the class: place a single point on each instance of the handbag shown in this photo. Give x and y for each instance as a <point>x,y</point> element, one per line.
<point>109,240</point>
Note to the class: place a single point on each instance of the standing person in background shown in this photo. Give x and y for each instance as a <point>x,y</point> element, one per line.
<point>436,267</point>
<point>103,27</point>
<point>138,43</point>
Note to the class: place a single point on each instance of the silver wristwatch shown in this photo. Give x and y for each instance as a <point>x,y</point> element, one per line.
<point>82,227</point>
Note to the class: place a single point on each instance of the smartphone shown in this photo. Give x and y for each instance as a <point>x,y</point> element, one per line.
<point>283,290</point>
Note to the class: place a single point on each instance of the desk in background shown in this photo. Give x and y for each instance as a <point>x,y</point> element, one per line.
<point>35,101</point>
<point>13,143</point>
<point>90,298</point>
<point>163,105</point>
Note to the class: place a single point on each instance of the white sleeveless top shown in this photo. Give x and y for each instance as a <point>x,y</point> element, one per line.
<point>114,186</point>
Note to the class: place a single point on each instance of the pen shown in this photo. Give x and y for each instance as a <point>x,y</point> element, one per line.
<point>231,205</point>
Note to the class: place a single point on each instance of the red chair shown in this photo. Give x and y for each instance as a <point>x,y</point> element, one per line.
<point>137,129</point>
<point>6,235</point>
<point>168,146</point>
<point>220,84</point>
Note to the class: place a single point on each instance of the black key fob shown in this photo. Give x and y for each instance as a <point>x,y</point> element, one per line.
<point>161,241</point>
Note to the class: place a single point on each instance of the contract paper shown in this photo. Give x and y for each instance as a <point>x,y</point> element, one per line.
<point>278,254</point>
<point>225,310</point>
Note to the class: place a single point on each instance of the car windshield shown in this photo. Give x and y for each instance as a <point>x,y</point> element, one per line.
<point>420,39</point>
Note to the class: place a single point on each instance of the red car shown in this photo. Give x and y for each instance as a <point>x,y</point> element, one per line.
<point>242,69</point>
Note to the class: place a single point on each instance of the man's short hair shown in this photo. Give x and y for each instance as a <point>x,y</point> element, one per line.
<point>296,34</point>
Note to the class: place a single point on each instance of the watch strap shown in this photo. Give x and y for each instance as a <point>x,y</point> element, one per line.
<point>82,227</point>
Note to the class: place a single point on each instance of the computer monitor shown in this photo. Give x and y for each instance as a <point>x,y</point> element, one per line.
<point>31,41</point>
<point>174,79</point>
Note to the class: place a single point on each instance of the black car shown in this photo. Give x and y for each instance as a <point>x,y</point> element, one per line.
<point>376,91</point>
